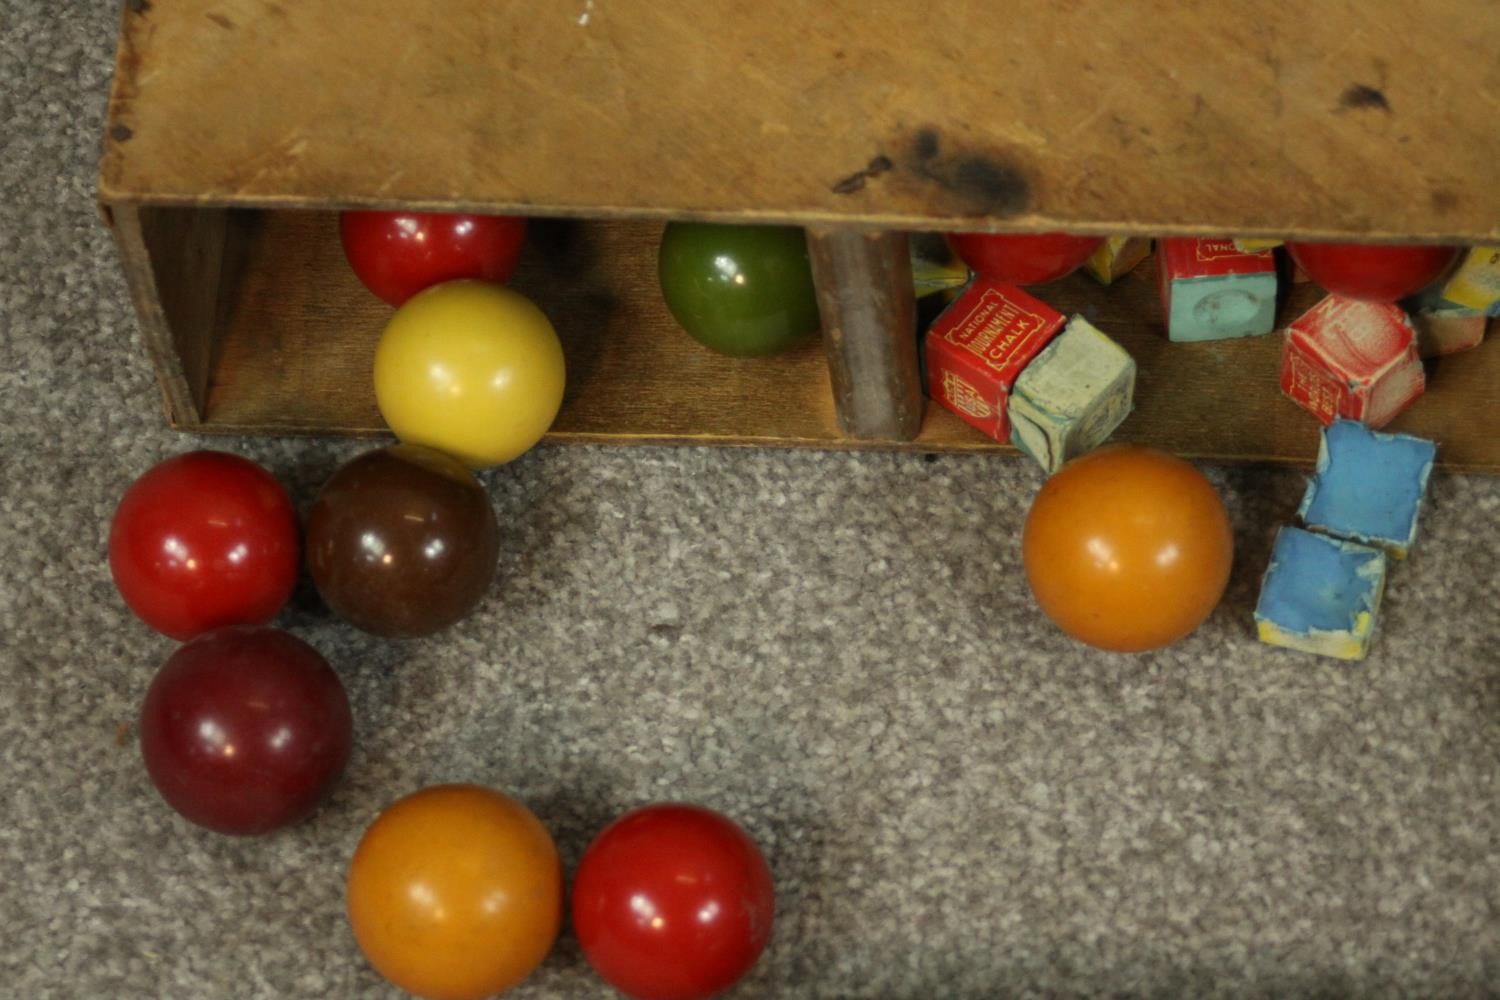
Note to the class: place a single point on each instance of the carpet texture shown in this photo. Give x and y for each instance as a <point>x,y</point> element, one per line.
<point>837,650</point>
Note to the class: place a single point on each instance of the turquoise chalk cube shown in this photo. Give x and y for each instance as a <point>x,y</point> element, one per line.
<point>1321,595</point>
<point>1221,306</point>
<point>1369,486</point>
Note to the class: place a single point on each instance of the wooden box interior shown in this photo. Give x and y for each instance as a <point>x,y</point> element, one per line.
<point>272,333</point>
<point>235,131</point>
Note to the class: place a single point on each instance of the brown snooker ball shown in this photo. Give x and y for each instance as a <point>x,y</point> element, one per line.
<point>402,541</point>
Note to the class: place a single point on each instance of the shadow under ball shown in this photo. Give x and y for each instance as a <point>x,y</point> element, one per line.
<point>402,541</point>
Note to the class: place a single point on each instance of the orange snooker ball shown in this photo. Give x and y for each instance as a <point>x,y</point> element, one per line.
<point>1127,548</point>
<point>455,892</point>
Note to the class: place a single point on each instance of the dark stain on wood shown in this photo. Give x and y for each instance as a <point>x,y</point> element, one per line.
<point>983,179</point>
<point>1444,201</point>
<point>139,6</point>
<point>856,181</point>
<point>925,145</point>
<point>1362,96</point>
<point>220,20</point>
<point>120,132</point>
<point>987,182</point>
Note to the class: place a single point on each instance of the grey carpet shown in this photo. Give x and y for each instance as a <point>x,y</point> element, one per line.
<point>837,650</point>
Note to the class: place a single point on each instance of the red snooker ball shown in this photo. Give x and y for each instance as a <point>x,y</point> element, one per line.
<point>673,902</point>
<point>1024,258</point>
<point>398,254</point>
<point>1372,272</point>
<point>245,729</point>
<point>203,540</point>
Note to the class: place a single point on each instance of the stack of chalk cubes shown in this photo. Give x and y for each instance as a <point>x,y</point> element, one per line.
<point>1322,591</point>
<point>1363,360</point>
<point>1355,365</point>
<point>1023,373</point>
<point>1057,387</point>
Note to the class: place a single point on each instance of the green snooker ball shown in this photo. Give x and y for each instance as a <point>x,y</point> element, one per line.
<point>745,291</point>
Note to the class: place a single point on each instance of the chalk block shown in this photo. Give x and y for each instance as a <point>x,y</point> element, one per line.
<point>1117,257</point>
<point>1212,291</point>
<point>1369,486</point>
<point>1442,327</point>
<point>1072,397</point>
<point>1356,360</point>
<point>977,348</point>
<point>1320,595</point>
<point>1475,284</point>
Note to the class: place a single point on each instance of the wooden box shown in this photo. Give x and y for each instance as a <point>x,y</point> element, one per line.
<point>238,128</point>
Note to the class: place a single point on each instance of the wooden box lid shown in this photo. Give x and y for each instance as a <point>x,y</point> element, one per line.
<point>1371,119</point>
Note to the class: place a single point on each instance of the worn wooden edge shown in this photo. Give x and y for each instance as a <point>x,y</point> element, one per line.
<point>876,221</point>
<point>182,405</point>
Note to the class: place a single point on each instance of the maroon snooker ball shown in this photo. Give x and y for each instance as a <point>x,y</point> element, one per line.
<point>245,730</point>
<point>398,254</point>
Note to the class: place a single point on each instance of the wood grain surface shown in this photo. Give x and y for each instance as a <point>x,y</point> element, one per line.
<point>300,331</point>
<point>1371,118</point>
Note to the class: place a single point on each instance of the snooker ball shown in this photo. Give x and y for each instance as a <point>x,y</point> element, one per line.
<point>245,729</point>
<point>673,902</point>
<point>745,291</point>
<point>455,892</point>
<point>202,540</point>
<point>1372,272</point>
<point>398,254</point>
<point>402,541</point>
<point>470,368</point>
<point>1024,258</point>
<point>1127,548</point>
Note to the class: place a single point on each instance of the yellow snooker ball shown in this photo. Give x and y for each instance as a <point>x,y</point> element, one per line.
<point>470,368</point>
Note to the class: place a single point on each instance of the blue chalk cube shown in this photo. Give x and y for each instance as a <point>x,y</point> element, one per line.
<point>1369,486</point>
<point>1320,595</point>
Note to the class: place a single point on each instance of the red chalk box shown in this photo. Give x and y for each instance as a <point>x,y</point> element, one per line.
<point>1351,359</point>
<point>1203,258</point>
<point>978,347</point>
